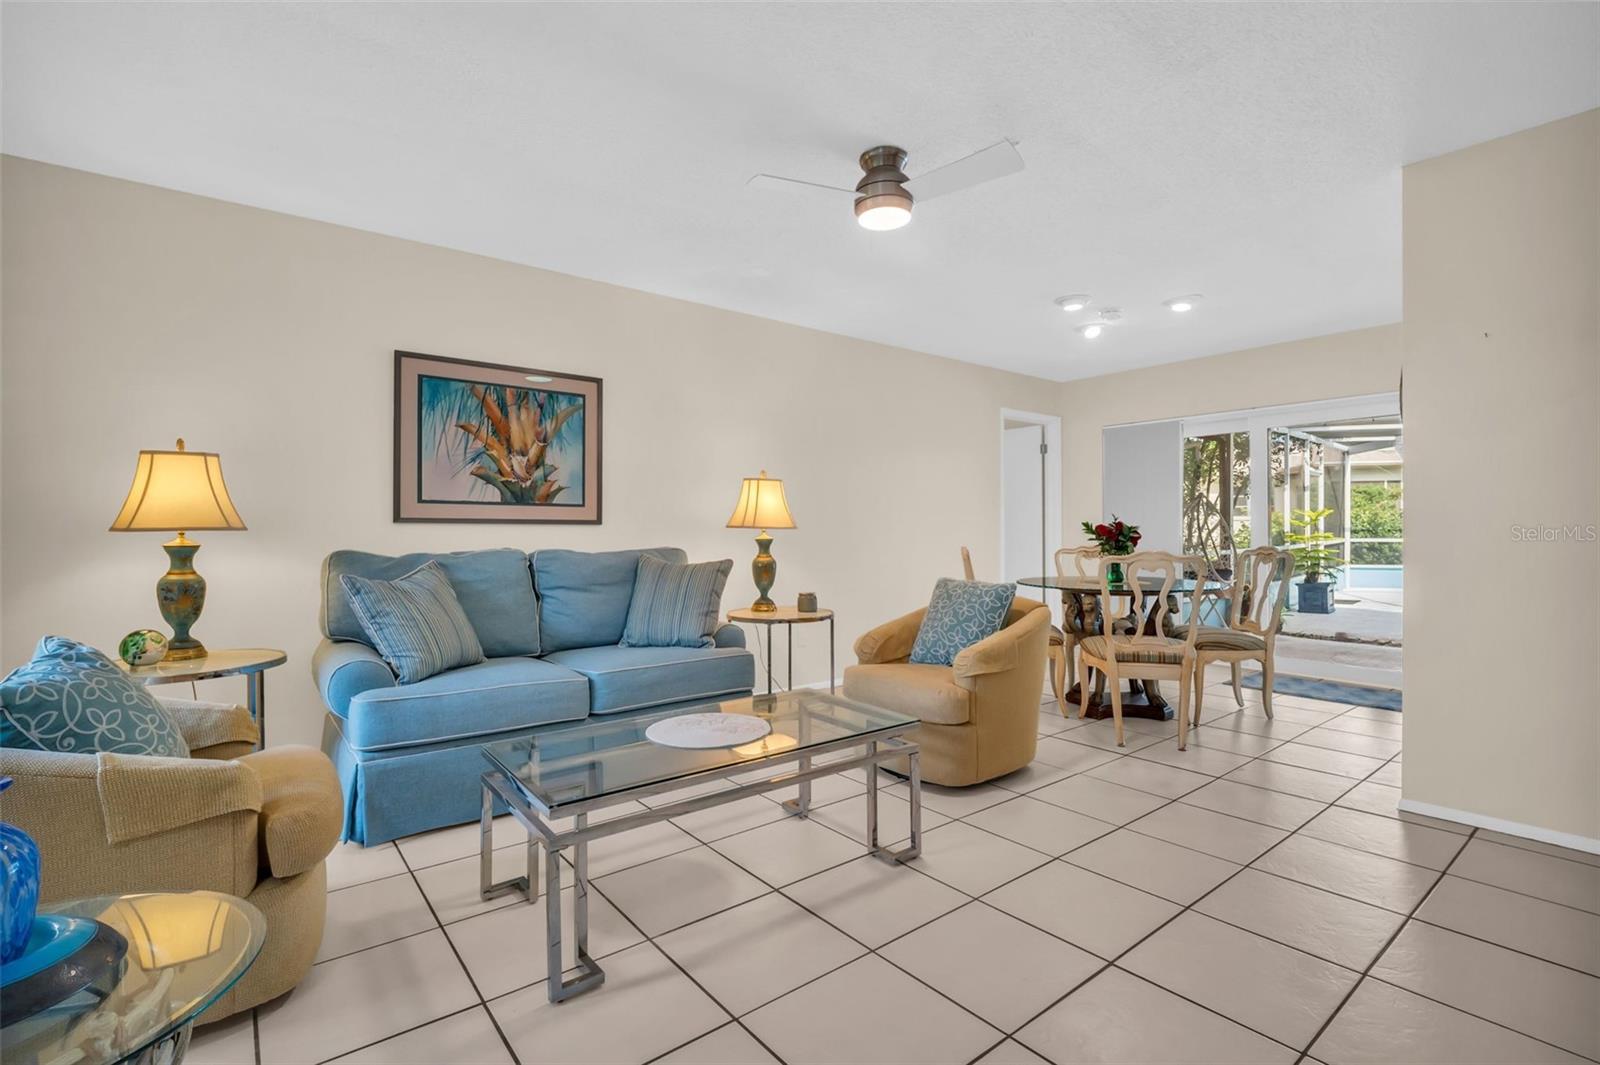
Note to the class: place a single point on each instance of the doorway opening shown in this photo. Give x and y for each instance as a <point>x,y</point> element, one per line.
<point>1030,495</point>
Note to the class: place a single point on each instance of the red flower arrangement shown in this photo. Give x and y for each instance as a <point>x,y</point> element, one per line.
<point>1115,538</point>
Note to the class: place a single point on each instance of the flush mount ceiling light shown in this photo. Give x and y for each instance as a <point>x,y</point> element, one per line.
<point>1183,304</point>
<point>1073,304</point>
<point>882,201</point>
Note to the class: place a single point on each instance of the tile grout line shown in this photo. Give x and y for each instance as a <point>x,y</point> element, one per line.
<point>1048,858</point>
<point>1376,958</point>
<point>471,982</point>
<point>1113,963</point>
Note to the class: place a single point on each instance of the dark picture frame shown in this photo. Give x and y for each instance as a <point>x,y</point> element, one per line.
<point>488,442</point>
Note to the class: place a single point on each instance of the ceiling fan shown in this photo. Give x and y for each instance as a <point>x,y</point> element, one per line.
<point>884,194</point>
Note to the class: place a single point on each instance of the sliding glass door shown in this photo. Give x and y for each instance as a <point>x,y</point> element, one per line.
<point>1216,497</point>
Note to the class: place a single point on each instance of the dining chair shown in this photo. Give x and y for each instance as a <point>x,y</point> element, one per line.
<point>1255,613</point>
<point>1078,613</point>
<point>1059,650</point>
<point>1141,648</point>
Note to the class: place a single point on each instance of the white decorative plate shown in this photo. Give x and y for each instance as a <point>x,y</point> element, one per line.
<point>706,731</point>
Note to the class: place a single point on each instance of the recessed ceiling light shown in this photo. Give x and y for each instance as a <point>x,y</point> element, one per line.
<point>1091,330</point>
<point>538,378</point>
<point>1073,304</point>
<point>1183,304</point>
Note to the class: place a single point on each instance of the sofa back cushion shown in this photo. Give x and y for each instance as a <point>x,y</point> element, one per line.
<point>584,595</point>
<point>494,588</point>
<point>72,699</point>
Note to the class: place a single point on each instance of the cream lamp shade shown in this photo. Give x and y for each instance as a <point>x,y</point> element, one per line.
<point>761,505</point>
<point>179,491</point>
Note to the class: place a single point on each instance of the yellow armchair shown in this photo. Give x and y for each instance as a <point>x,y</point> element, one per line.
<point>980,715</point>
<point>255,824</point>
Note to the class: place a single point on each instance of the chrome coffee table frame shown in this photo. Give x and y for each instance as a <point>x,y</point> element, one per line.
<point>874,748</point>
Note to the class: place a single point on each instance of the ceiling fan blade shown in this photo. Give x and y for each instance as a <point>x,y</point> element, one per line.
<point>995,161</point>
<point>782,184</point>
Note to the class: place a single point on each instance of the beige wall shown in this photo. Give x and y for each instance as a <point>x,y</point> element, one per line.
<point>1359,363</point>
<point>136,314</point>
<point>1502,410</point>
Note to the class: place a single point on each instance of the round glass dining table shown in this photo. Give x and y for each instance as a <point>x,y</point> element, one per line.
<point>1082,614</point>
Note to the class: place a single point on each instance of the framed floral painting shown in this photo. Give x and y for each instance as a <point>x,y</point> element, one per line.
<point>477,441</point>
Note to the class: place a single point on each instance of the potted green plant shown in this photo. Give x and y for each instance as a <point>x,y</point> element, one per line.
<point>1316,558</point>
<point>1114,538</point>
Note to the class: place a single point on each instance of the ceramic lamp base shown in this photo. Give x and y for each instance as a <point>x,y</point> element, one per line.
<point>764,570</point>
<point>181,595</point>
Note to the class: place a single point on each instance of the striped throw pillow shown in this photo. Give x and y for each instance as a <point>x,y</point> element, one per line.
<point>415,622</point>
<point>675,605</point>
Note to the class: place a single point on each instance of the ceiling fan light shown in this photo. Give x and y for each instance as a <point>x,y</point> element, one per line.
<point>882,213</point>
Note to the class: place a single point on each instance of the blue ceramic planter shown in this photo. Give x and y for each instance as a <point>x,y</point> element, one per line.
<point>19,887</point>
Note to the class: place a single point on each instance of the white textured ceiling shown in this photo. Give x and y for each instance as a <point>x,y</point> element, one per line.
<point>1250,152</point>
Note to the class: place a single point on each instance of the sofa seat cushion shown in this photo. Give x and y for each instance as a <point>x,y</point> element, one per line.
<point>631,678</point>
<point>926,692</point>
<point>495,695</point>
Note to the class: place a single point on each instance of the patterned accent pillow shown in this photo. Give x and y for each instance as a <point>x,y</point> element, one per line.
<point>72,699</point>
<point>415,622</point>
<point>675,604</point>
<point>961,614</point>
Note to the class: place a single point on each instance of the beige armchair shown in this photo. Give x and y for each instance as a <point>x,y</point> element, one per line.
<point>255,824</point>
<point>980,716</point>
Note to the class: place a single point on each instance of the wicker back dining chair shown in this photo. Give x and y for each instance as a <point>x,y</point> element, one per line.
<point>1059,650</point>
<point>1142,649</point>
<point>1255,614</point>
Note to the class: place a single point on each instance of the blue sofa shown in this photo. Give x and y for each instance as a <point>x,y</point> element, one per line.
<point>550,623</point>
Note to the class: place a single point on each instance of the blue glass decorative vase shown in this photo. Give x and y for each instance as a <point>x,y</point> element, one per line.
<point>19,887</point>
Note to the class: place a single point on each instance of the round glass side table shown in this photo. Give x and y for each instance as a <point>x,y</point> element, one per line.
<point>185,950</point>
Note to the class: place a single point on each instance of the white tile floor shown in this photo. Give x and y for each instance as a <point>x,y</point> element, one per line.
<point>1255,898</point>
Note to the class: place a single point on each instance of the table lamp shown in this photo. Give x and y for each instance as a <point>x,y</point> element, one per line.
<point>762,506</point>
<point>179,491</point>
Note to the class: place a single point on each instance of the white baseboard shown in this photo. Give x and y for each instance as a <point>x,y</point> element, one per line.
<point>1500,824</point>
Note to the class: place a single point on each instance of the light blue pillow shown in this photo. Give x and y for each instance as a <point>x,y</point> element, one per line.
<point>961,614</point>
<point>72,699</point>
<point>415,622</point>
<point>675,604</point>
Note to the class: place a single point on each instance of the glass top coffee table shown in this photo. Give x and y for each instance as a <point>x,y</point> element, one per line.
<point>553,780</point>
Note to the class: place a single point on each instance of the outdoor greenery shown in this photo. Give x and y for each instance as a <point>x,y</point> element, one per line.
<point>1375,510</point>
<point>1216,476</point>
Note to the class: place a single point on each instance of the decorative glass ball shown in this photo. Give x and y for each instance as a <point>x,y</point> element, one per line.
<point>142,647</point>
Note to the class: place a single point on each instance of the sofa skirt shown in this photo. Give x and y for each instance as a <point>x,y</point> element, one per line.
<point>393,793</point>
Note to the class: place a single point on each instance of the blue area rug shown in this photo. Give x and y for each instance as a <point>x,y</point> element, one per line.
<point>1333,691</point>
